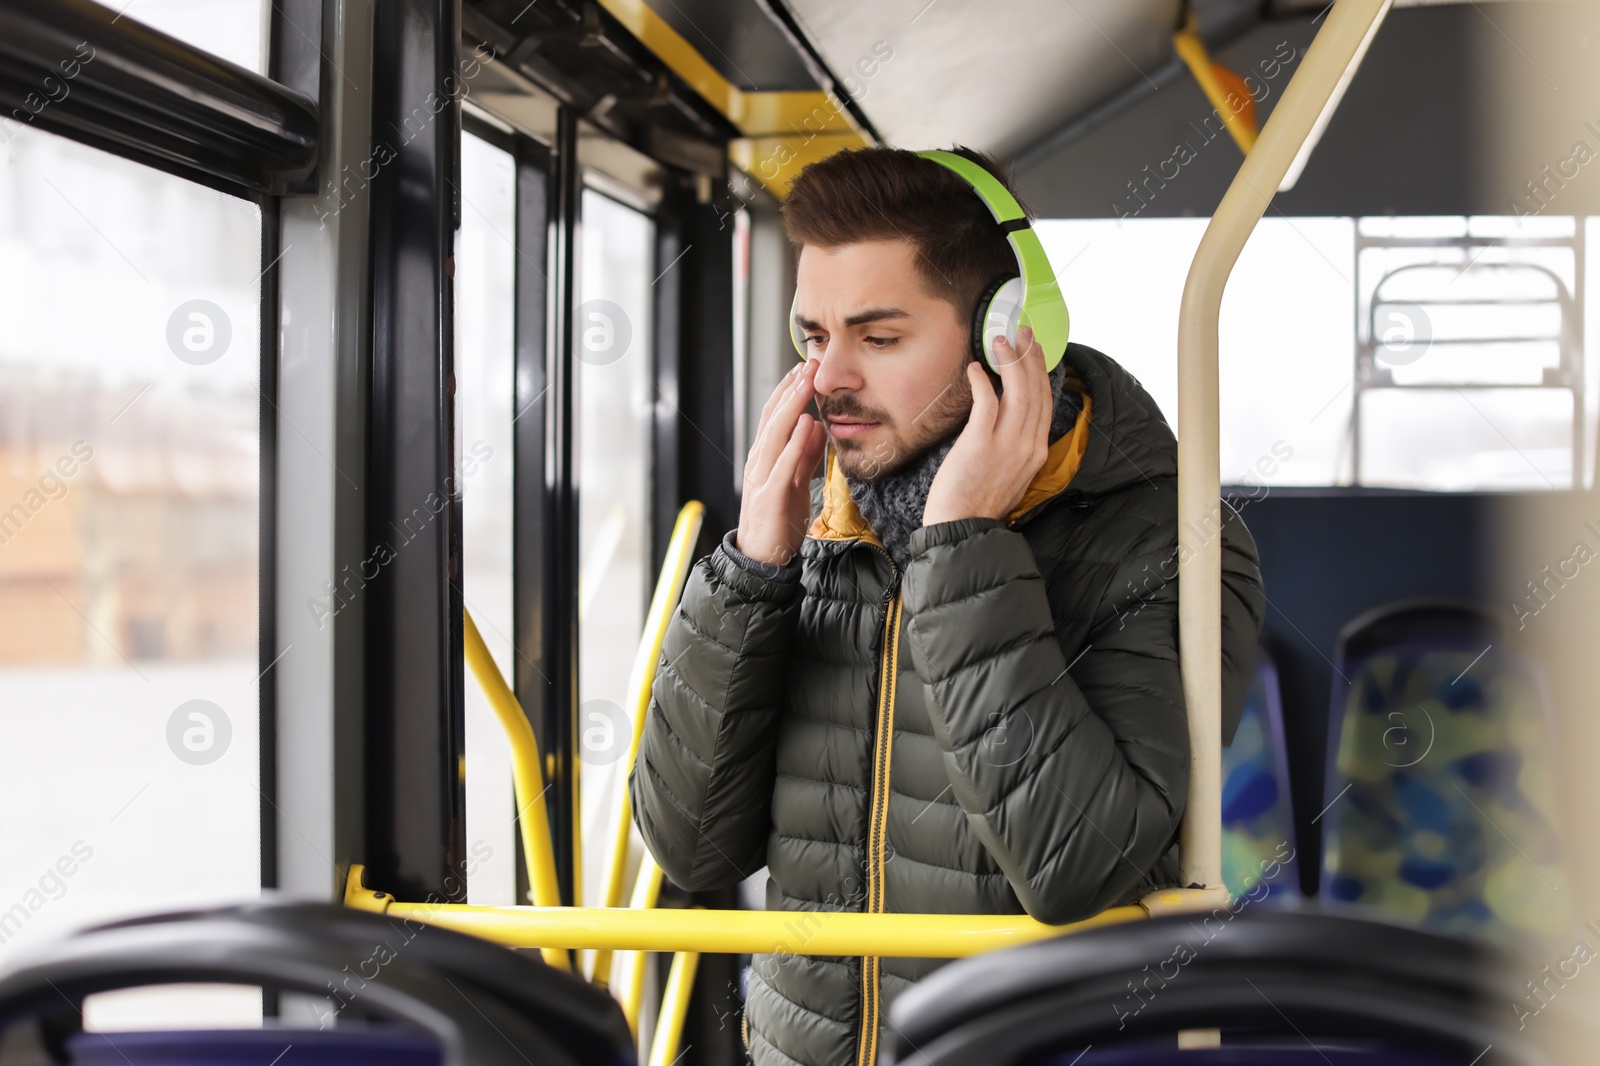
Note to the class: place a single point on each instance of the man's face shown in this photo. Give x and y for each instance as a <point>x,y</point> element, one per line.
<point>892,381</point>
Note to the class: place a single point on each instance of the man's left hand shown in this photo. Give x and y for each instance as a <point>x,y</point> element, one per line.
<point>1004,442</point>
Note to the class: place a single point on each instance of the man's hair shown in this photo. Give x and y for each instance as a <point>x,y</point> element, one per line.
<point>867,194</point>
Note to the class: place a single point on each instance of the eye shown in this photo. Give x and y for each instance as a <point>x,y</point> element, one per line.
<point>883,342</point>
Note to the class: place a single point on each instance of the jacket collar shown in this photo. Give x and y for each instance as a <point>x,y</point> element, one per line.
<point>840,519</point>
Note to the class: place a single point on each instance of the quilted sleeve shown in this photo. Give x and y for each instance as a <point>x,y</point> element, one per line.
<point>1073,775</point>
<point>702,784</point>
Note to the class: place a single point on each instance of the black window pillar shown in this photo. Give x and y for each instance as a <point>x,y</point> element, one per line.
<point>412,572</point>
<point>556,726</point>
<point>545,522</point>
<point>694,438</point>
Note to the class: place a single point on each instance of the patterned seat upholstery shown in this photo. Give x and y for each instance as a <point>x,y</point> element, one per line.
<point>1441,802</point>
<point>1258,838</point>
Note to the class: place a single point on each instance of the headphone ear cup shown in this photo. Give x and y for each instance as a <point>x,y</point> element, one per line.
<point>796,335</point>
<point>999,313</point>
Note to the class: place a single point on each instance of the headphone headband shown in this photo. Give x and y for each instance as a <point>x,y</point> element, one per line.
<point>1034,300</point>
<point>995,196</point>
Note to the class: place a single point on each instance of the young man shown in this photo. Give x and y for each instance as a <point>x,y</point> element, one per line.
<point>944,677</point>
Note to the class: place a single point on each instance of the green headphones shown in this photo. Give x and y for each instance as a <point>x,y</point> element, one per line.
<point>1033,299</point>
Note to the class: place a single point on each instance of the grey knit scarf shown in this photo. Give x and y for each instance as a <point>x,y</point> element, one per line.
<point>893,505</point>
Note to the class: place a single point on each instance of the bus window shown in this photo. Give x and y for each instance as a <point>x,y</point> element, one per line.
<point>1286,330</point>
<point>485,271</point>
<point>1470,362</point>
<point>129,550</point>
<point>612,331</point>
<point>1432,353</point>
<point>230,29</point>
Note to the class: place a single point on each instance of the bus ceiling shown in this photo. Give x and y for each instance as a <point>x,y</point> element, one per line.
<point>1092,101</point>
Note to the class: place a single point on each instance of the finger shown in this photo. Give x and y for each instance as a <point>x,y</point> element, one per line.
<point>787,465</point>
<point>780,425</point>
<point>1008,357</point>
<point>816,443</point>
<point>1036,389</point>
<point>984,402</point>
<point>763,424</point>
<point>1026,387</point>
<point>784,385</point>
<point>1047,396</point>
<point>1014,382</point>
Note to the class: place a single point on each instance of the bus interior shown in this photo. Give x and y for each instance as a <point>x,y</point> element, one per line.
<point>374,372</point>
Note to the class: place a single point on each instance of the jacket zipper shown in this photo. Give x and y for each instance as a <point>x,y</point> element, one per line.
<point>878,819</point>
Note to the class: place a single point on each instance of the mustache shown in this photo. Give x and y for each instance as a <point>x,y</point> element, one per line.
<point>849,412</point>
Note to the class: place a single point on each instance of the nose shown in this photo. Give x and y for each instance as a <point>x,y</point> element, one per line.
<point>836,370</point>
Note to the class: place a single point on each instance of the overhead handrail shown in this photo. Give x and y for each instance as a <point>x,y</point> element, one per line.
<point>1332,58</point>
<point>1192,50</point>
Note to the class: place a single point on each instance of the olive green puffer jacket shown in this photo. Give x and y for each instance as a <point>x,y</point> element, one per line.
<point>1023,749</point>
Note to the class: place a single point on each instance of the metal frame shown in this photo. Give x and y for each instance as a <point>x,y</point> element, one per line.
<point>561,575</point>
<point>319,414</point>
<point>80,69</point>
<point>1311,94</point>
<point>415,722</point>
<point>1569,374</point>
<point>666,377</point>
<point>694,435</point>
<point>266,532</point>
<point>294,59</point>
<point>537,614</point>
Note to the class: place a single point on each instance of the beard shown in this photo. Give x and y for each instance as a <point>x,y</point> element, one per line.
<point>893,451</point>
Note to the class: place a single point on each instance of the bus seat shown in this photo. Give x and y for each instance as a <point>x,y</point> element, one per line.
<point>395,991</point>
<point>1282,986</point>
<point>1258,837</point>
<point>1439,789</point>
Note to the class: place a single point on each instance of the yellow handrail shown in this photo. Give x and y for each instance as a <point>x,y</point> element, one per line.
<point>527,775</point>
<point>674,1007</point>
<point>646,890</point>
<point>1332,57</point>
<point>669,589</point>
<point>928,936</point>
<point>1192,51</point>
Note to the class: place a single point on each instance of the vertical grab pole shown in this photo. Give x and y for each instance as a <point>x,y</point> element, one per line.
<point>1329,64</point>
<point>674,1009</point>
<point>641,682</point>
<point>527,773</point>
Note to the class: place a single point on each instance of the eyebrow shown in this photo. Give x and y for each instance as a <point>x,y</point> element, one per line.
<point>860,318</point>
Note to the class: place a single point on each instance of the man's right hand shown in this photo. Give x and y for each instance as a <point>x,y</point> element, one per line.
<point>777,473</point>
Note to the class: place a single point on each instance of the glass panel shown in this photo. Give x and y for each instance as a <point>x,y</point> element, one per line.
<point>231,29</point>
<point>129,554</point>
<point>1301,307</point>
<point>1465,439</point>
<point>485,310</point>
<point>1286,332</point>
<point>612,338</point>
<point>1496,323</point>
